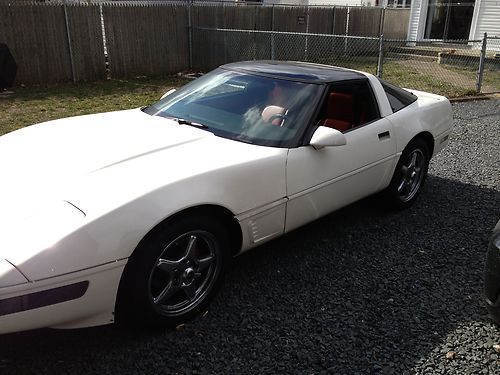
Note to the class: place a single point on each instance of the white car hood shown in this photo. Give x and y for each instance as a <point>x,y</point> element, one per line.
<point>63,181</point>
<point>41,160</point>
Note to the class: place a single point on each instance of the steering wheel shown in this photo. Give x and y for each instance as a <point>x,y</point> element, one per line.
<point>277,116</point>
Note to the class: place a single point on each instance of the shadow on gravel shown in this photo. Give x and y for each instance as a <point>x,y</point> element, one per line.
<point>359,290</point>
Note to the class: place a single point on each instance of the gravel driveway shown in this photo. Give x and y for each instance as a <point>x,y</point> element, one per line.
<point>359,291</point>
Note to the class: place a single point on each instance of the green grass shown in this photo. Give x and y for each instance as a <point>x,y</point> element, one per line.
<point>29,105</point>
<point>491,78</point>
<point>406,77</point>
<point>411,78</point>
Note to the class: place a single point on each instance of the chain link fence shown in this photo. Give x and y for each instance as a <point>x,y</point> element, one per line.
<point>447,68</point>
<point>491,73</point>
<point>91,39</point>
<point>214,47</point>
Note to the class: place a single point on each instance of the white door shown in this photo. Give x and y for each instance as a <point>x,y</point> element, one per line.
<point>321,181</point>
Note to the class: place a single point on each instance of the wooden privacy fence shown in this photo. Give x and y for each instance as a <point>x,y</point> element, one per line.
<point>57,42</point>
<point>354,21</point>
<point>53,43</point>
<point>148,40</point>
<point>333,35</point>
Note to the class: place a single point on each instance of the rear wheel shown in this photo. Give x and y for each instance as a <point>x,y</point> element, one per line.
<point>409,176</point>
<point>174,273</point>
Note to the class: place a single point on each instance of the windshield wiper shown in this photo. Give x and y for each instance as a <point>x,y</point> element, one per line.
<point>182,121</point>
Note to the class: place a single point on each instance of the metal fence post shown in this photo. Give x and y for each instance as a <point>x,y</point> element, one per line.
<point>255,17</point>
<point>380,62</point>
<point>104,41</point>
<point>346,30</point>
<point>480,72</point>
<point>306,46</point>
<point>333,39</point>
<point>190,36</point>
<point>382,21</point>
<point>272,35</point>
<point>70,48</point>
<point>333,20</point>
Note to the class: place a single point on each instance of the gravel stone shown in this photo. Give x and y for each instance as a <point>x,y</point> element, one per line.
<point>360,291</point>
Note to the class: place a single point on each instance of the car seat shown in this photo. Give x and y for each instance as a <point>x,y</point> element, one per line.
<point>339,111</point>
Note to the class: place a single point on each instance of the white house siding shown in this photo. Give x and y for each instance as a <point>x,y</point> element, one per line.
<point>487,19</point>
<point>415,13</point>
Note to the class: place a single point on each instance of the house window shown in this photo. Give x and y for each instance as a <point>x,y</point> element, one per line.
<point>396,3</point>
<point>449,19</point>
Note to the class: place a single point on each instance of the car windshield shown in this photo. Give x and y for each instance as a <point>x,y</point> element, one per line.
<point>244,107</point>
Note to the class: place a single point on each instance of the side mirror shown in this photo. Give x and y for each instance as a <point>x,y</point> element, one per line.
<point>167,93</point>
<point>326,137</point>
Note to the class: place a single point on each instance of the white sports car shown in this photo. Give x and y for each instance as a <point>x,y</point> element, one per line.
<point>134,215</point>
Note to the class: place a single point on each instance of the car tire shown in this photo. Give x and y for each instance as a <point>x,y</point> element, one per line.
<point>174,273</point>
<point>409,176</point>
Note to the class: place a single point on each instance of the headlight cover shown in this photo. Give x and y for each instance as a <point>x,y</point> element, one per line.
<point>40,231</point>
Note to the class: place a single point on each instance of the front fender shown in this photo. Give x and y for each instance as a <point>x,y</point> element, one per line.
<point>122,204</point>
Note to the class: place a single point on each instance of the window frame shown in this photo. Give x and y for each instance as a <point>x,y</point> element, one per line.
<point>313,126</point>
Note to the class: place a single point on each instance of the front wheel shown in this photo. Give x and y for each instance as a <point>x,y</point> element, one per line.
<point>409,176</point>
<point>174,273</point>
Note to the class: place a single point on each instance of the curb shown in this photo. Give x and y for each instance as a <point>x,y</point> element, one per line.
<point>495,95</point>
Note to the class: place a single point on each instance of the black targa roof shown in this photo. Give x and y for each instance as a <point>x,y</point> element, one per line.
<point>296,71</point>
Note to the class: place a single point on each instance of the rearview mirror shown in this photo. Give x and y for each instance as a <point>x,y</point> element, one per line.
<point>326,137</point>
<point>168,93</point>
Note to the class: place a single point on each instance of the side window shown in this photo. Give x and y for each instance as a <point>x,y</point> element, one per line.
<point>398,97</point>
<point>348,105</point>
<point>395,103</point>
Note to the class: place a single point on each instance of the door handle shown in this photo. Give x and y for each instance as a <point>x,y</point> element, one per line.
<point>384,135</point>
